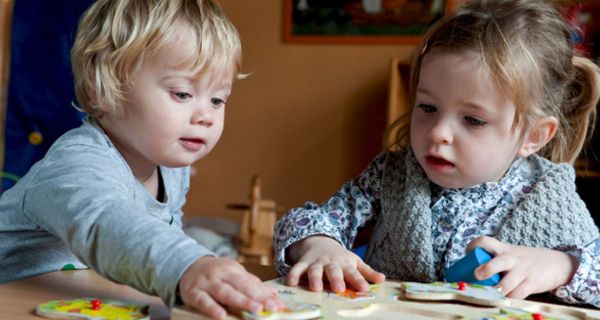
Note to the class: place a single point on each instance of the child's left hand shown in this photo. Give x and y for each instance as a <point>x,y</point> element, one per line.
<point>526,270</point>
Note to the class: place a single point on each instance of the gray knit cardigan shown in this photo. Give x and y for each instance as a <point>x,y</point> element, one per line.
<point>552,215</point>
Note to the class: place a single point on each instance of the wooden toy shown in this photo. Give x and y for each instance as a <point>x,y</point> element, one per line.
<point>255,238</point>
<point>92,309</point>
<point>408,300</point>
<point>463,269</point>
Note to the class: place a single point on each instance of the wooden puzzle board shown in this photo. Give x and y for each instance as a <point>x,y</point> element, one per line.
<point>389,302</point>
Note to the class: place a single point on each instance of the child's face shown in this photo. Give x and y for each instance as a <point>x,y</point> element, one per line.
<point>461,126</point>
<point>173,115</point>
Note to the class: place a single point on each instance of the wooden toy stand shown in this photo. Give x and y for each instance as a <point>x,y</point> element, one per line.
<point>391,300</point>
<point>255,238</point>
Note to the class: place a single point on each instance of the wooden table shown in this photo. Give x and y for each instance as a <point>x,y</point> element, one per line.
<point>388,302</point>
<point>18,299</point>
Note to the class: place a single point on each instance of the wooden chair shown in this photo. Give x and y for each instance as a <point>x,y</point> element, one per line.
<point>397,94</point>
<point>255,239</point>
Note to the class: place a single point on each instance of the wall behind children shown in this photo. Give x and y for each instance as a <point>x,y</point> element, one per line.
<point>309,117</point>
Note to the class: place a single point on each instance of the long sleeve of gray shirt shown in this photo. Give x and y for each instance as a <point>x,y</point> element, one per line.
<point>81,205</point>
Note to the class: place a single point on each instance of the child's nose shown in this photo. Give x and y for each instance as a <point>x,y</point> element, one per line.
<point>203,115</point>
<point>441,133</point>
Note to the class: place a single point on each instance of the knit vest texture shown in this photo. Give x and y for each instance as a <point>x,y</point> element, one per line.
<point>552,215</point>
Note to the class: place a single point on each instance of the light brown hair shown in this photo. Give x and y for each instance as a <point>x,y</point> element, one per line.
<point>525,45</point>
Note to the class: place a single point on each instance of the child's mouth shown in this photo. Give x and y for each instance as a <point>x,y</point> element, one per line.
<point>438,163</point>
<point>192,143</point>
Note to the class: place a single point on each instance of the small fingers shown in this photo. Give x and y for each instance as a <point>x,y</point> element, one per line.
<point>499,264</point>
<point>255,290</point>
<point>335,275</point>
<point>227,295</point>
<point>202,301</point>
<point>315,277</point>
<point>369,274</point>
<point>489,244</point>
<point>293,277</point>
<point>509,283</point>
<point>355,279</point>
<point>251,286</point>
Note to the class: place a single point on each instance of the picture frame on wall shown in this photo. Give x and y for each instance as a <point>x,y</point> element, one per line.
<point>361,21</point>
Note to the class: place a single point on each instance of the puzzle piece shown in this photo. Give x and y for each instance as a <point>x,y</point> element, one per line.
<point>92,309</point>
<point>463,269</point>
<point>300,311</point>
<point>394,311</point>
<point>392,302</point>
<point>352,295</point>
<point>515,314</point>
<point>555,310</point>
<point>470,293</point>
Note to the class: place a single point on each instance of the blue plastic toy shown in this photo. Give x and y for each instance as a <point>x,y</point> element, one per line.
<point>464,268</point>
<point>360,251</point>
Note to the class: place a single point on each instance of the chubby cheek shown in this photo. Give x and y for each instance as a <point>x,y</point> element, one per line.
<point>218,125</point>
<point>417,140</point>
<point>166,131</point>
<point>480,167</point>
<point>215,137</point>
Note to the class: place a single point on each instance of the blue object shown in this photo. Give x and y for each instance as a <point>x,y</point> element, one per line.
<point>463,269</point>
<point>360,251</point>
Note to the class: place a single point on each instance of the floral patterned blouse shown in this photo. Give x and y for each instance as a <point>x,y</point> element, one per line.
<point>457,214</point>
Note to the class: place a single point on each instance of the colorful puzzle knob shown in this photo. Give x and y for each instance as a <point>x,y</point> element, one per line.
<point>96,303</point>
<point>464,268</point>
<point>537,316</point>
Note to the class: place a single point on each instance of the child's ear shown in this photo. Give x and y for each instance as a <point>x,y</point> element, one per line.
<point>93,99</point>
<point>538,136</point>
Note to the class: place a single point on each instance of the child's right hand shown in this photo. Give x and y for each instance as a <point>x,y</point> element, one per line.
<point>211,283</point>
<point>320,255</point>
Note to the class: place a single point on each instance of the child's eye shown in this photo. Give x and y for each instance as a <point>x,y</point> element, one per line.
<point>217,101</point>
<point>475,122</point>
<point>182,95</point>
<point>427,108</point>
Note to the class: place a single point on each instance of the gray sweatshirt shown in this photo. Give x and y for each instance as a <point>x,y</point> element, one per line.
<point>82,206</point>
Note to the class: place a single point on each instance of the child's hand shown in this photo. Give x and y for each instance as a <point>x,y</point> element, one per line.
<point>211,283</point>
<point>526,270</point>
<point>320,255</point>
